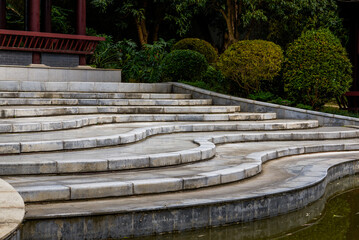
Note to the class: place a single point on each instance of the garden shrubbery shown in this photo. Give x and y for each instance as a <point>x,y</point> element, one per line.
<point>137,64</point>
<point>248,63</point>
<point>197,45</point>
<point>183,65</point>
<point>212,80</point>
<point>316,68</point>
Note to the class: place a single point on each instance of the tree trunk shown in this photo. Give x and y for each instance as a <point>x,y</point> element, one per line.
<point>232,18</point>
<point>142,30</point>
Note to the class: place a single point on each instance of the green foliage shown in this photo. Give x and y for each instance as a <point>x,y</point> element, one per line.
<point>262,96</point>
<point>282,101</point>
<point>106,54</point>
<point>290,18</point>
<point>184,65</point>
<point>142,65</point>
<point>250,62</point>
<point>337,111</point>
<point>198,45</point>
<point>60,21</point>
<point>212,80</point>
<point>316,68</point>
<point>303,106</point>
<point>137,64</point>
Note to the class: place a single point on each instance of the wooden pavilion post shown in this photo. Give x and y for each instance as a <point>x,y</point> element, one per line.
<point>34,25</point>
<point>81,25</point>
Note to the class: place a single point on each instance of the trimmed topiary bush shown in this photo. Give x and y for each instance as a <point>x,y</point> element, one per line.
<point>250,62</point>
<point>183,65</point>
<point>198,45</point>
<point>316,68</point>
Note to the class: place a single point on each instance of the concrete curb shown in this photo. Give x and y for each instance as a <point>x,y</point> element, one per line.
<point>142,133</point>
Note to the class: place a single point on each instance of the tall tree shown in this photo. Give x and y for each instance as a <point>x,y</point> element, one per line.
<point>240,17</point>
<point>148,15</point>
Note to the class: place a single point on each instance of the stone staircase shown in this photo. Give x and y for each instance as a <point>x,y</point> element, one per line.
<point>112,160</point>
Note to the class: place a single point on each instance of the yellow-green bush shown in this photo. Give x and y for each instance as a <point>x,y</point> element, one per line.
<point>316,68</point>
<point>250,62</point>
<point>198,45</point>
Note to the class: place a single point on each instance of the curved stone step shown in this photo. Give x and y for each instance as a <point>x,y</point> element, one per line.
<point>103,102</point>
<point>30,111</point>
<point>84,139</point>
<point>136,155</point>
<point>12,210</point>
<point>44,124</point>
<point>95,95</point>
<point>269,194</point>
<point>224,169</point>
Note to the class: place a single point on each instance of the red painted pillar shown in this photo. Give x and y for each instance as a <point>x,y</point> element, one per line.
<point>34,22</point>
<point>2,14</point>
<point>81,24</point>
<point>46,6</point>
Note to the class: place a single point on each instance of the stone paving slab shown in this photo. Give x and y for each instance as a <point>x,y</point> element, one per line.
<point>226,167</point>
<point>39,111</point>
<point>44,124</point>
<point>103,102</point>
<point>94,95</point>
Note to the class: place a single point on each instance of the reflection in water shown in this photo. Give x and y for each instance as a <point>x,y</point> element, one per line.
<point>333,219</point>
<point>340,220</point>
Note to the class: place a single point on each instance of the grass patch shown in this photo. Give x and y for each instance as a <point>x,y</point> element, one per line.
<point>334,110</point>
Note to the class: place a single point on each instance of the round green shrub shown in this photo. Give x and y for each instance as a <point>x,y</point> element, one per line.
<point>250,62</point>
<point>316,68</point>
<point>197,45</point>
<point>183,65</point>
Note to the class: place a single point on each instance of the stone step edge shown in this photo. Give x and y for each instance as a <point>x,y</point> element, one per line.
<point>103,102</point>
<point>226,210</point>
<point>163,185</point>
<point>105,87</point>
<point>57,110</point>
<point>143,133</point>
<point>110,119</point>
<point>94,95</point>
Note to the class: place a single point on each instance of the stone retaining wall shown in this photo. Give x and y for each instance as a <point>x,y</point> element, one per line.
<point>247,105</point>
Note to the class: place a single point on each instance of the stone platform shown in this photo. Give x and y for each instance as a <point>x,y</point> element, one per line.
<point>109,160</point>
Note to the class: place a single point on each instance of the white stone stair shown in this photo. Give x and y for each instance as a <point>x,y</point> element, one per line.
<point>118,150</point>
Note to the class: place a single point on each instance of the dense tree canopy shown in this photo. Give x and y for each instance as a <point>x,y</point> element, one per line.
<point>221,22</point>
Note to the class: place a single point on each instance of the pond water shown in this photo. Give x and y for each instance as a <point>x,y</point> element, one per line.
<point>335,216</point>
